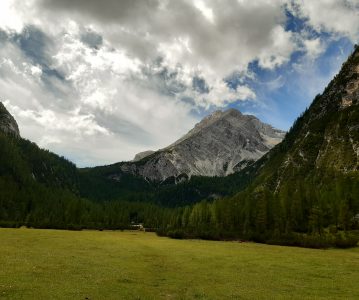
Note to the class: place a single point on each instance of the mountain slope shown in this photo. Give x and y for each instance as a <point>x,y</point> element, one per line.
<point>8,124</point>
<point>220,144</point>
<point>40,189</point>
<point>305,191</point>
<point>26,162</point>
<point>310,182</point>
<point>325,139</point>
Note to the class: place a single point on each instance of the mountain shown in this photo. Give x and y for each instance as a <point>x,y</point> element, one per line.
<point>22,159</point>
<point>219,145</point>
<point>43,190</point>
<point>142,155</point>
<point>8,124</point>
<point>305,191</point>
<point>324,140</point>
<point>26,163</point>
<point>309,183</point>
<point>34,178</point>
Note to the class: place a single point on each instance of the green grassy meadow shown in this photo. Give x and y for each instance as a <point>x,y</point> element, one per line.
<point>55,264</point>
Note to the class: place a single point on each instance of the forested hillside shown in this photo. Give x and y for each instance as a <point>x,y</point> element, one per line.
<point>40,189</point>
<point>306,189</point>
<point>107,183</point>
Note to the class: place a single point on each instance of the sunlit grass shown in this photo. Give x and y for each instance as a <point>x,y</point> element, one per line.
<point>53,264</point>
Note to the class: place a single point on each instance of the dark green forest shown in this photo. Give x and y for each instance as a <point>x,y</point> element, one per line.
<point>40,189</point>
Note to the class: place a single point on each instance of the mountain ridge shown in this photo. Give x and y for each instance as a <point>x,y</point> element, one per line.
<point>220,144</point>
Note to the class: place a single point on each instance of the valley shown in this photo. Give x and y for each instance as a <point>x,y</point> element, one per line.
<point>303,191</point>
<point>57,264</point>
<point>182,150</point>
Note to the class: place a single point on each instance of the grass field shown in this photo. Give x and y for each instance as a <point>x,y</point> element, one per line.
<point>54,264</point>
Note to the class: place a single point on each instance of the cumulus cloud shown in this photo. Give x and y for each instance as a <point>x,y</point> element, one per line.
<point>132,75</point>
<point>217,35</point>
<point>334,16</point>
<point>97,107</point>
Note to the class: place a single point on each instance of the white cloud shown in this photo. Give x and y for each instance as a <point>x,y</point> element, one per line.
<point>313,47</point>
<point>9,18</point>
<point>220,35</point>
<point>205,10</point>
<point>119,76</point>
<point>334,16</point>
<point>278,53</point>
<point>104,119</point>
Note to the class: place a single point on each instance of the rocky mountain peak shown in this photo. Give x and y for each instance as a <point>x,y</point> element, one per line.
<point>220,144</point>
<point>7,122</point>
<point>208,121</point>
<point>220,114</point>
<point>232,112</point>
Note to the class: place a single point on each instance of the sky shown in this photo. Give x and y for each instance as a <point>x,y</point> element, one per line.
<point>99,81</point>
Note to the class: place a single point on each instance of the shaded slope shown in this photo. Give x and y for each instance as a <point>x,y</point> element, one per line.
<point>311,180</point>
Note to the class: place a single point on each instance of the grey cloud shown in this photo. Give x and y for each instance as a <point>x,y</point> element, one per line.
<point>240,32</point>
<point>39,49</point>
<point>3,36</point>
<point>155,58</point>
<point>91,38</point>
<point>110,11</point>
<point>35,44</point>
<point>188,100</point>
<point>121,127</point>
<point>160,78</point>
<point>200,85</point>
<point>135,44</point>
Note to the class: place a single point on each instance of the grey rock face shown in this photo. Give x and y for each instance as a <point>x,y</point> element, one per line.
<point>143,154</point>
<point>220,144</point>
<point>7,122</point>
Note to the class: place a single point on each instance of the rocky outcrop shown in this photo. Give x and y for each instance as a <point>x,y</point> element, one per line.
<point>220,144</point>
<point>142,155</point>
<point>7,122</point>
